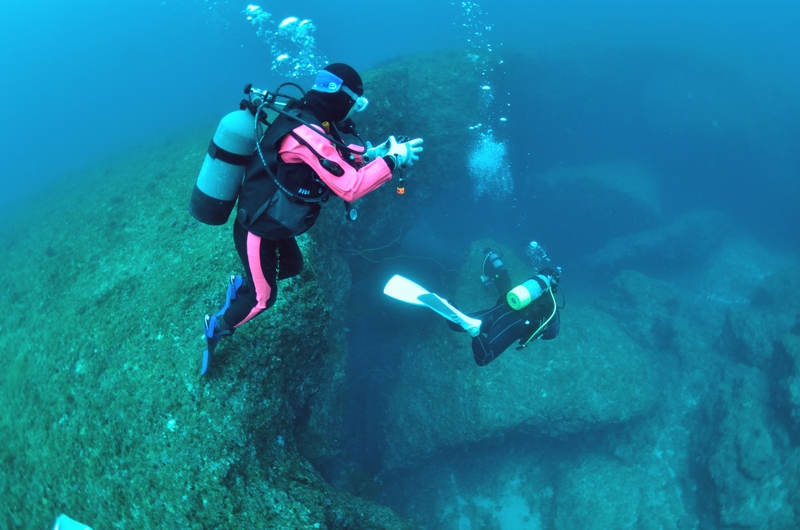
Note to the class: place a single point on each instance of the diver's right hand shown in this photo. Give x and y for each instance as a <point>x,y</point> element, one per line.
<point>414,147</point>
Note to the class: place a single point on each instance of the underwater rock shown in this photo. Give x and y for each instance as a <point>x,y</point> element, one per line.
<point>622,188</point>
<point>506,484</point>
<point>789,389</point>
<point>665,320</point>
<point>598,493</point>
<point>754,467</point>
<point>776,287</point>
<point>105,415</point>
<point>647,309</point>
<point>586,205</point>
<point>747,335</point>
<point>690,237</point>
<point>754,328</point>
<point>592,375</point>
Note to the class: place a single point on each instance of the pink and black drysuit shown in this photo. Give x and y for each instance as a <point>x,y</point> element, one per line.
<point>283,200</point>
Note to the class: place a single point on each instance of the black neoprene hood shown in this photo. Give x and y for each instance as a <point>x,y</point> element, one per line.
<point>348,75</point>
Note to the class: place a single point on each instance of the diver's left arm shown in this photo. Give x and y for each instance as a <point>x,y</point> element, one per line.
<point>351,183</point>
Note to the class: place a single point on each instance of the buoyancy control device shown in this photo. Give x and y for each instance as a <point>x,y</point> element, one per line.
<point>231,150</point>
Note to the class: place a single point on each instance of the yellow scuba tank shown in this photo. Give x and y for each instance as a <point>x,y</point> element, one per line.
<point>220,178</point>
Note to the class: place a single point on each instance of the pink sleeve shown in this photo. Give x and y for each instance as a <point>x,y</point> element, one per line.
<point>353,184</point>
<point>359,156</point>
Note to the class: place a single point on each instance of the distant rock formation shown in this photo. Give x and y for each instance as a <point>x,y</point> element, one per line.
<point>689,238</point>
<point>586,204</point>
<point>631,496</point>
<point>747,418</point>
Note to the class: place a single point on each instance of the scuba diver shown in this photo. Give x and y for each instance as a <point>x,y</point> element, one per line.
<point>281,179</point>
<point>524,313</point>
<point>527,312</point>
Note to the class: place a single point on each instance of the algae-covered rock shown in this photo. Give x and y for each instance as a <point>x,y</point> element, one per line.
<point>626,189</point>
<point>748,335</point>
<point>789,388</point>
<point>103,413</point>
<point>755,471</point>
<point>649,310</point>
<point>778,289</point>
<point>600,493</point>
<point>592,375</point>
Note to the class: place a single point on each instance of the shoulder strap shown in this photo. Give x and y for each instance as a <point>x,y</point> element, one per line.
<point>332,167</point>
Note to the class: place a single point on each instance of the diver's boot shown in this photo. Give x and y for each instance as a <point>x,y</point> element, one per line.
<point>215,329</point>
<point>234,283</point>
<point>215,325</point>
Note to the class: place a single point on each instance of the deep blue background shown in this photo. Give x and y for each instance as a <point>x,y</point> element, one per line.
<point>84,79</point>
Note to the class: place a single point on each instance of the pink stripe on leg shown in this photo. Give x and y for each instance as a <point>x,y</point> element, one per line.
<point>263,290</point>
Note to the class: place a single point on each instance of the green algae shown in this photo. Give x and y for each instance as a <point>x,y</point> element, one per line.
<point>104,413</point>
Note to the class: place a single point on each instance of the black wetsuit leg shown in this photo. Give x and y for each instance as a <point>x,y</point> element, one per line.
<point>290,259</point>
<point>500,327</point>
<point>259,289</point>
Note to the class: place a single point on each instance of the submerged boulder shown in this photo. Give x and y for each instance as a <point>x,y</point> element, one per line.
<point>754,467</point>
<point>649,310</point>
<point>747,336</point>
<point>593,375</point>
<point>600,493</point>
<point>788,389</point>
<point>586,205</point>
<point>693,236</point>
<point>105,415</point>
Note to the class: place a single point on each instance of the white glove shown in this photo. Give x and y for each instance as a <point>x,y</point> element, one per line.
<point>414,147</point>
<point>406,153</point>
<point>374,153</point>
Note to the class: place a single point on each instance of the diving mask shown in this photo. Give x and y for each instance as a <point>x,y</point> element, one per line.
<point>330,83</point>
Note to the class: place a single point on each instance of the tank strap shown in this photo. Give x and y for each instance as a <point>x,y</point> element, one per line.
<point>218,153</point>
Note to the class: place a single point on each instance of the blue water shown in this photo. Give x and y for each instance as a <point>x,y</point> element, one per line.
<point>82,79</point>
